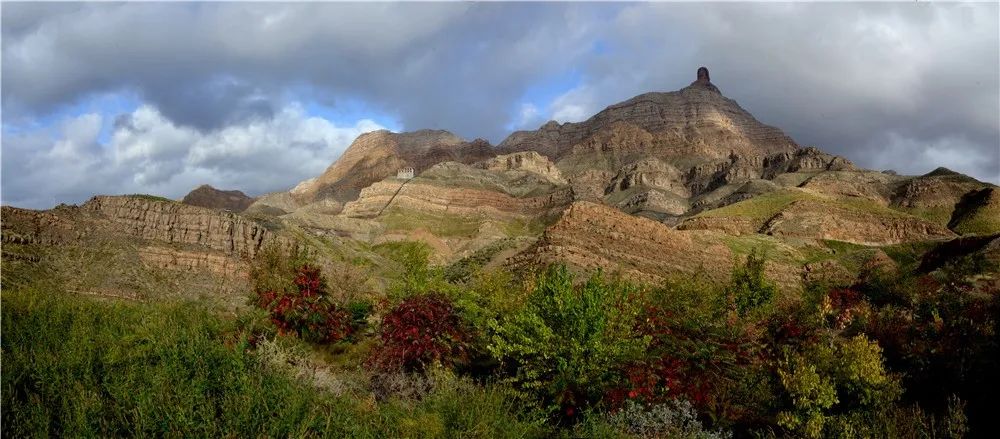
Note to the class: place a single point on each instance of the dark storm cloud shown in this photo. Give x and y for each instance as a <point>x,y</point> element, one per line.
<point>903,86</point>
<point>456,66</point>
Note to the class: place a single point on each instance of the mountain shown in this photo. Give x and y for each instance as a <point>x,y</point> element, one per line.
<point>212,198</point>
<point>660,185</point>
<point>694,124</point>
<point>380,154</point>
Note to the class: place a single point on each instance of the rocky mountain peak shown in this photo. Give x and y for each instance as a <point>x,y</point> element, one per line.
<point>703,80</point>
<point>691,125</point>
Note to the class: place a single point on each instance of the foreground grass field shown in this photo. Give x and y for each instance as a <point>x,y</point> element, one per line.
<point>76,367</point>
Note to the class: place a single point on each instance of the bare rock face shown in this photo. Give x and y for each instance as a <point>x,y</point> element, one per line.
<point>660,152</point>
<point>934,191</point>
<point>212,198</point>
<point>650,172</point>
<point>274,204</point>
<point>138,247</point>
<point>529,161</point>
<point>731,225</point>
<point>474,199</point>
<point>166,258</point>
<point>180,223</point>
<point>379,154</point>
<point>869,185</point>
<point>590,236</point>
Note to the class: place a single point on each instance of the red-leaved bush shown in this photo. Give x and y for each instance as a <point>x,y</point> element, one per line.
<point>307,311</point>
<point>691,358</point>
<point>419,331</point>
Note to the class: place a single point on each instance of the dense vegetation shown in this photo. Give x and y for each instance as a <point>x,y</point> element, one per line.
<point>485,353</point>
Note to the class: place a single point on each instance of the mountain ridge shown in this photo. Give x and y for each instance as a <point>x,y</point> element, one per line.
<point>649,185</point>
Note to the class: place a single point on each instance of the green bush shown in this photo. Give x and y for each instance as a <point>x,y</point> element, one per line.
<point>81,368</point>
<point>567,343</point>
<point>749,287</point>
<point>414,274</point>
<point>73,367</point>
<point>834,384</point>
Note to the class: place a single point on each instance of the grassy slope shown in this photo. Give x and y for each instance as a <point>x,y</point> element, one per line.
<point>765,206</point>
<point>78,367</point>
<point>761,207</point>
<point>983,221</point>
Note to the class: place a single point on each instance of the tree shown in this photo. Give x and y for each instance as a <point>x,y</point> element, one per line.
<point>749,288</point>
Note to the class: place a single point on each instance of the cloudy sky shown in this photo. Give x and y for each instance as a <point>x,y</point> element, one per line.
<point>159,98</point>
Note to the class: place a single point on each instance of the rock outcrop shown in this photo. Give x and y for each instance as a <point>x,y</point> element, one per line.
<point>463,190</point>
<point>173,222</point>
<point>212,198</point>
<point>30,227</point>
<point>379,154</point>
<point>529,161</point>
<point>591,236</point>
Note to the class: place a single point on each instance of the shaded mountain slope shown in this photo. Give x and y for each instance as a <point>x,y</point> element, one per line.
<point>210,197</point>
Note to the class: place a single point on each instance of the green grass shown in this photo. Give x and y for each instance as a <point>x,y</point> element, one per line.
<point>981,222</point>
<point>78,367</point>
<point>776,250</point>
<point>841,247</point>
<point>439,224</point>
<point>524,227</point>
<point>761,207</point>
<point>449,225</point>
<point>462,269</point>
<point>152,197</point>
<point>937,215</point>
<point>907,255</point>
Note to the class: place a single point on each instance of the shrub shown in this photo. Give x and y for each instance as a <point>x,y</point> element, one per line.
<point>835,385</point>
<point>567,343</point>
<point>76,367</point>
<point>941,330</point>
<point>749,287</point>
<point>274,269</point>
<point>307,310</point>
<point>675,419</point>
<point>421,330</point>
<point>697,352</point>
<point>412,258</point>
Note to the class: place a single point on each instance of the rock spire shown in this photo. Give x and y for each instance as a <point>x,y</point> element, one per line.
<point>704,80</point>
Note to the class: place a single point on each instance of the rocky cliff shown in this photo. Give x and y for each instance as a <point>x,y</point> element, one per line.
<point>172,222</point>
<point>137,246</point>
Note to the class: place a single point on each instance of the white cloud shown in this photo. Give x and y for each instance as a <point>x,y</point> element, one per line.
<point>148,153</point>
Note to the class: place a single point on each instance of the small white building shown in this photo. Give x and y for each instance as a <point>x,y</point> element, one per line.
<point>405,173</point>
